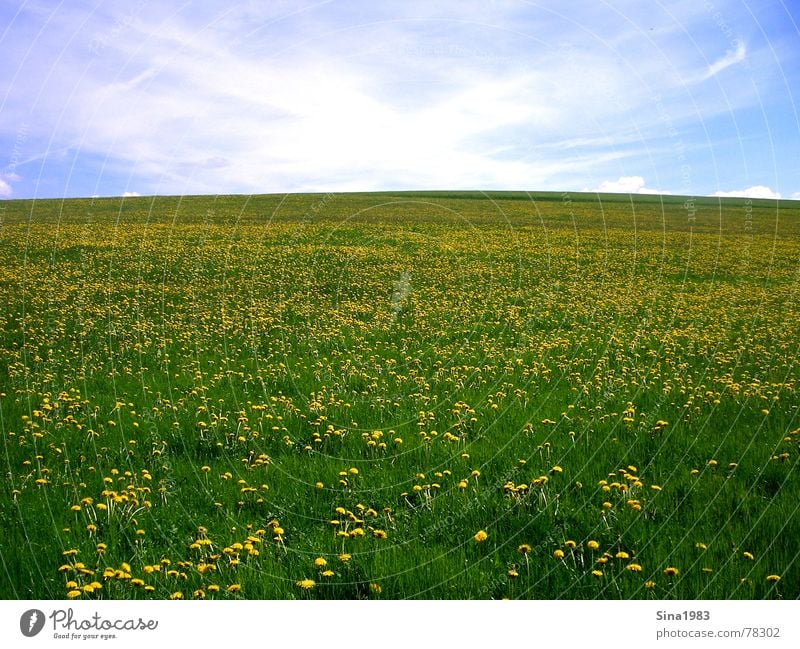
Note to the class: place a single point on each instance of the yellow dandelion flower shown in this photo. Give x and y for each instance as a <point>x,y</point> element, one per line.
<point>592,545</point>
<point>73,594</point>
<point>320,562</point>
<point>306,584</point>
<point>524,548</point>
<point>597,573</point>
<point>558,554</point>
<point>671,571</point>
<point>481,536</point>
<point>379,534</point>
<point>327,573</point>
<point>622,555</point>
<point>344,558</point>
<point>234,588</point>
<point>176,595</point>
<point>633,567</point>
<point>773,578</point>
<point>748,555</point>
<point>649,585</point>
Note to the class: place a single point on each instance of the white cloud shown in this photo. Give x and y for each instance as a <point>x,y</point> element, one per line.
<point>732,57</point>
<point>796,196</point>
<point>756,191</point>
<point>626,185</point>
<point>5,188</point>
<point>130,194</point>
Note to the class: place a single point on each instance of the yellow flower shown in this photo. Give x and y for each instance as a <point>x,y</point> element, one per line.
<point>649,585</point>
<point>592,545</point>
<point>73,594</point>
<point>748,555</point>
<point>622,555</point>
<point>671,571</point>
<point>597,573</point>
<point>773,578</point>
<point>320,562</point>
<point>524,548</point>
<point>513,573</point>
<point>375,588</point>
<point>344,558</point>
<point>481,536</point>
<point>327,573</point>
<point>306,584</point>
<point>379,534</point>
<point>176,595</point>
<point>633,567</point>
<point>570,544</point>
<point>234,588</point>
<point>558,554</point>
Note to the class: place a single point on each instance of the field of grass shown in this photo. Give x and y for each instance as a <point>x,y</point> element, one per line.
<point>411,395</point>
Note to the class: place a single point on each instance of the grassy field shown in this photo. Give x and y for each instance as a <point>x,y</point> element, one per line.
<point>410,395</point>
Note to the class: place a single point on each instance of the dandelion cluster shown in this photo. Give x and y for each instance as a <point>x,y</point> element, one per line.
<point>225,398</point>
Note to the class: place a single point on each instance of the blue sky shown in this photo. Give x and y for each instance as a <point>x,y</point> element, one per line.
<point>142,97</point>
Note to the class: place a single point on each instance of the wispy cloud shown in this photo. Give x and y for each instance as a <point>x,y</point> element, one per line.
<point>347,96</point>
<point>732,57</point>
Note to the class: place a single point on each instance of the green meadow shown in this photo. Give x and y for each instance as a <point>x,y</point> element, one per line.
<point>429,395</point>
